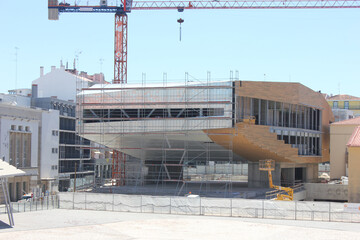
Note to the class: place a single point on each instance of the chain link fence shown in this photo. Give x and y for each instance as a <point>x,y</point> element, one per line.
<point>230,207</point>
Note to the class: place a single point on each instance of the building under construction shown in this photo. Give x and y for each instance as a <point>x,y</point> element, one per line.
<point>206,137</point>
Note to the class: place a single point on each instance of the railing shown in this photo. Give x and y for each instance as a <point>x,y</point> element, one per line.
<point>30,205</point>
<point>231,207</point>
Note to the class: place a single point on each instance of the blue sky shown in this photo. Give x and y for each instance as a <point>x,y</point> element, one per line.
<point>318,48</point>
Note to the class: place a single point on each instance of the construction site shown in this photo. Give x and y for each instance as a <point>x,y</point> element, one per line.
<point>202,137</point>
<point>205,138</point>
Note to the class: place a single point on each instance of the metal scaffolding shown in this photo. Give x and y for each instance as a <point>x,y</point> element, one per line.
<point>162,135</point>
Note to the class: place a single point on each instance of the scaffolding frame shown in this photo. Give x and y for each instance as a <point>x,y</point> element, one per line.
<point>174,152</point>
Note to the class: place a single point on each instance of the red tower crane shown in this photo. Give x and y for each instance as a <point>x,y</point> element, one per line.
<point>123,7</point>
<point>126,6</point>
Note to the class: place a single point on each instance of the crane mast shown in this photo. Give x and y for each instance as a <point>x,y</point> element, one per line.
<point>120,57</point>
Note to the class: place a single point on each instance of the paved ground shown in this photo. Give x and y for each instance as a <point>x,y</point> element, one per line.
<point>88,225</point>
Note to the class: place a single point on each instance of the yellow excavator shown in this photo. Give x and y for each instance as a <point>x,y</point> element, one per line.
<point>269,165</point>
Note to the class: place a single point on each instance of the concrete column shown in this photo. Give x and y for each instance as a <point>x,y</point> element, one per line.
<point>312,172</point>
<point>260,179</point>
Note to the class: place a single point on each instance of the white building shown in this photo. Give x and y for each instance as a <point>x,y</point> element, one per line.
<point>29,141</point>
<point>59,83</point>
<point>49,159</point>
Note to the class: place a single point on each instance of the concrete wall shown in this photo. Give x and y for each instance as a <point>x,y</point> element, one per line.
<point>354,176</point>
<point>340,135</point>
<point>323,191</point>
<point>260,179</point>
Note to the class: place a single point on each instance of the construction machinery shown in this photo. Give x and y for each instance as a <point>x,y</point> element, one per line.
<point>269,165</point>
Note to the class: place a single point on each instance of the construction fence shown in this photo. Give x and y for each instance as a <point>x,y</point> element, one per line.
<point>32,204</point>
<point>229,207</point>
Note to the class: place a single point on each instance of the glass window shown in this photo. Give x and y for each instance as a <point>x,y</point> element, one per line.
<point>335,104</point>
<point>346,104</point>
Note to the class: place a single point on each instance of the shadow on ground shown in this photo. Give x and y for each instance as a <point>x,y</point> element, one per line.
<point>4,225</point>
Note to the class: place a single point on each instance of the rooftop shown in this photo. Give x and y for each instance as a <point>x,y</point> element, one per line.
<point>342,97</point>
<point>352,121</point>
<point>354,140</point>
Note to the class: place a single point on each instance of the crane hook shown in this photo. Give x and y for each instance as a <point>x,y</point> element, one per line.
<point>180,20</point>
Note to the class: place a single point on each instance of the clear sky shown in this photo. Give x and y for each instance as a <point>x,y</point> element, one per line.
<point>318,48</point>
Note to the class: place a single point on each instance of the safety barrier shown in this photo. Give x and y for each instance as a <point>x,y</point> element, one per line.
<point>32,204</point>
<point>230,207</point>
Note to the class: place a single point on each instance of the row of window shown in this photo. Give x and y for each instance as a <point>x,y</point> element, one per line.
<point>20,128</point>
<point>272,113</point>
<point>336,104</point>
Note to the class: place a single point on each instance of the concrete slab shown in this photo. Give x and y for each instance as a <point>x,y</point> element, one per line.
<point>88,225</point>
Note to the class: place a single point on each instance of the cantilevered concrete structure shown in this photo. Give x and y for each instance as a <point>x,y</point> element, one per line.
<point>203,133</point>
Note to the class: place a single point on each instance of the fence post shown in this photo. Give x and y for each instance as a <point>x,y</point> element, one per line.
<point>170,204</point>
<point>85,200</point>
<point>141,204</point>
<point>201,213</point>
<point>329,211</point>
<point>113,202</point>
<point>295,210</point>
<point>263,209</point>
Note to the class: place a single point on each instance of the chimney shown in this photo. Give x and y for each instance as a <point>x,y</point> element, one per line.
<point>53,68</point>
<point>62,67</point>
<point>34,91</point>
<point>41,71</point>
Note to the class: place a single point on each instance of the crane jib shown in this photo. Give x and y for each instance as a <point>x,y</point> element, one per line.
<point>213,4</point>
<point>94,9</point>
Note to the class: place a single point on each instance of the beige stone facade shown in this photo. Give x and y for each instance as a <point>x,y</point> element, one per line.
<point>340,133</point>
<point>354,176</point>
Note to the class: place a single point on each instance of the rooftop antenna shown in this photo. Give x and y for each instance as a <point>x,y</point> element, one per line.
<point>339,87</point>
<point>101,60</point>
<point>76,59</point>
<point>180,20</point>
<point>16,66</point>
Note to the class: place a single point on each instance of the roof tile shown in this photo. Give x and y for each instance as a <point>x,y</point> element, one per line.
<point>354,140</point>
<point>352,121</point>
<point>342,97</point>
